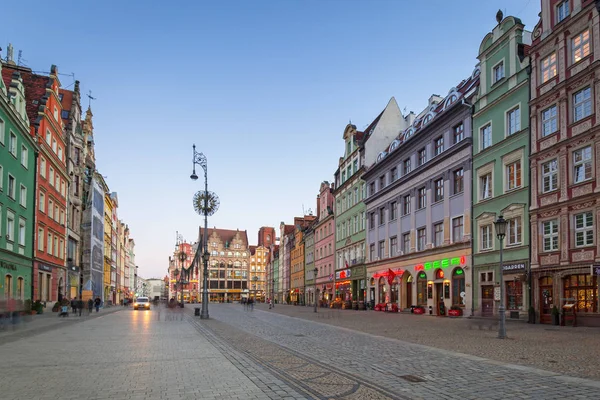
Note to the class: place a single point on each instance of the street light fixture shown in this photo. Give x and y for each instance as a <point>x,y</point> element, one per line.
<point>500,224</point>
<point>316,270</point>
<point>205,203</point>
<point>182,258</point>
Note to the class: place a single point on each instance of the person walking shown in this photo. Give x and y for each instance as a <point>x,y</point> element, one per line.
<point>74,305</point>
<point>251,304</point>
<point>97,303</point>
<point>90,305</point>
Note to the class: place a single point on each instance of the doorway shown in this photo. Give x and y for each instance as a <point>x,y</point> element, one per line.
<point>546,302</point>
<point>440,308</point>
<point>408,291</point>
<point>487,300</point>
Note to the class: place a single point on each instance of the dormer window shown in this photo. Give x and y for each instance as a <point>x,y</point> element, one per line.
<point>450,100</point>
<point>562,11</point>
<point>498,71</point>
<point>427,118</point>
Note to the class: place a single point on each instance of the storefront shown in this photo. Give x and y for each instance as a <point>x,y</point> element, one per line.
<point>436,284</point>
<point>16,278</point>
<point>350,284</point>
<point>514,279</point>
<point>48,286</point>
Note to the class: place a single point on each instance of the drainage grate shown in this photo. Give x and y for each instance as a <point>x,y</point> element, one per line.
<point>299,335</point>
<point>412,378</point>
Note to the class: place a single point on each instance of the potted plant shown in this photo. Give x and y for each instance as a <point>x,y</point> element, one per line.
<point>531,315</point>
<point>555,316</point>
<point>38,307</point>
<point>455,311</point>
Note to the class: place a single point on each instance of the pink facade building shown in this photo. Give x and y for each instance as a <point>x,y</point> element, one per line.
<point>324,236</point>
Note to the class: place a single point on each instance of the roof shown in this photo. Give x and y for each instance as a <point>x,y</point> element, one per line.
<point>252,250</point>
<point>66,102</point>
<point>288,229</point>
<point>35,87</point>
<point>226,235</point>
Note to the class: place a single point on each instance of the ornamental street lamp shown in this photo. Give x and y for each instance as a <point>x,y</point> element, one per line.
<point>316,270</point>
<point>500,224</point>
<point>182,258</point>
<point>205,203</point>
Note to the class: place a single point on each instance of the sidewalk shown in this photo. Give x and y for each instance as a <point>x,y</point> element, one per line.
<point>30,325</point>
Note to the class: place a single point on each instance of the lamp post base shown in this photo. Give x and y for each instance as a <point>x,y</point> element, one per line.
<point>204,315</point>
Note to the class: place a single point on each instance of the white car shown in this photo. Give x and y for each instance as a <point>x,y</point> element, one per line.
<point>141,303</point>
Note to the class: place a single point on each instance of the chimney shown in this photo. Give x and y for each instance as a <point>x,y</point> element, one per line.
<point>9,55</point>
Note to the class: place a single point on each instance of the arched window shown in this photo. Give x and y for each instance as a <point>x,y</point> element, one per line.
<point>237,253</point>
<point>422,289</point>
<point>394,145</point>
<point>427,118</point>
<point>237,264</point>
<point>458,286</point>
<point>20,289</point>
<point>244,264</point>
<point>372,281</point>
<point>382,290</point>
<point>394,291</point>
<point>8,289</point>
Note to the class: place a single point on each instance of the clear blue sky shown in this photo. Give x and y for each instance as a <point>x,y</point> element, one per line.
<point>264,89</point>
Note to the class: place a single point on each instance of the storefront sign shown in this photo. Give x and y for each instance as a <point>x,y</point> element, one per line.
<point>5,265</point>
<point>343,274</point>
<point>445,263</point>
<point>398,272</point>
<point>44,267</point>
<point>517,267</point>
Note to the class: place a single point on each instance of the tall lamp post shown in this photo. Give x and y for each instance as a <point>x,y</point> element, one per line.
<point>205,203</point>
<point>273,292</point>
<point>315,271</point>
<point>500,224</point>
<point>182,258</point>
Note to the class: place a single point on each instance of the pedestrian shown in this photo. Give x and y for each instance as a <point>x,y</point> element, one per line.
<point>90,305</point>
<point>251,304</point>
<point>97,303</point>
<point>74,305</point>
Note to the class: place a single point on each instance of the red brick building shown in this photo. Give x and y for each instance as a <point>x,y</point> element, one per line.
<point>44,111</point>
<point>565,151</point>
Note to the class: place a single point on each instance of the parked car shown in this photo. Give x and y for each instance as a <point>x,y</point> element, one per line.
<point>141,303</point>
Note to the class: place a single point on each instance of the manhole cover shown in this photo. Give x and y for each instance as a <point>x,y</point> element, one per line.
<point>412,378</point>
<point>299,335</point>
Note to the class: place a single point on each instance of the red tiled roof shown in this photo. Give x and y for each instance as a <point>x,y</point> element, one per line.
<point>35,88</point>
<point>288,229</point>
<point>226,235</point>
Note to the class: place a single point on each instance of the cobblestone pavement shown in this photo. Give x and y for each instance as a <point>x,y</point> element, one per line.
<point>130,354</point>
<point>319,356</point>
<point>566,350</point>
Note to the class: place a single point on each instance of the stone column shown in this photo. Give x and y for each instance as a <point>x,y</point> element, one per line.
<point>563,174</point>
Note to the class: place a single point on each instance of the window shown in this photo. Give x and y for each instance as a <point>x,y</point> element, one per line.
<point>514,295</point>
<point>51,176</point>
<point>50,209</point>
<point>513,175</point>
<point>48,137</point>
<point>582,163</point>
<point>60,153</point>
<point>394,174</point>
<point>459,183</point>
<point>10,226</point>
<point>12,144</point>
<point>439,145</point>
<point>439,190</point>
<point>562,11</point>
<point>550,176</point>
<point>406,205</point>
<point>24,156</point>
<point>348,148</point>
<point>64,113</point>
<point>407,166</point>
<point>458,133</point>
<point>457,229</point>
<point>582,104</point>
<point>356,200</point>
<point>355,166</point>
<point>393,210</point>
<point>40,239</point>
<point>43,167</point>
<point>486,136</point>
<point>23,196</point>
<point>2,131</point>
<point>422,289</point>
<point>372,220</point>
<point>393,246</point>
<point>12,187</point>
<point>438,234</point>
<point>381,182</point>
<point>422,156</point>
<point>343,176</point>
<point>580,46</point>
<point>54,145</point>
<point>421,239</point>
<point>548,67</point>
<point>22,232</point>
<point>549,121</point>
<point>372,252</point>
<point>550,235</point>
<point>584,289</point>
<point>1,178</point>
<point>372,189</point>
<point>584,229</point>
<point>485,185</point>
<point>513,121</point>
<point>406,243</point>
<point>498,71</point>
<point>49,244</point>
<point>381,216</point>
<point>486,237</point>
<point>381,250</point>
<point>422,198</point>
<point>8,291</point>
<point>513,228</point>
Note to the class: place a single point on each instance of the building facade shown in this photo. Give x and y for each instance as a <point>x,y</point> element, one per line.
<point>501,169</point>
<point>258,272</point>
<point>565,151</point>
<point>297,266</point>
<point>324,245</point>
<point>309,265</point>
<point>418,208</point>
<point>18,153</point>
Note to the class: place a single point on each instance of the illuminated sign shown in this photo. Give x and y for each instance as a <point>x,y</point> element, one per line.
<point>343,274</point>
<point>445,263</point>
<point>397,272</point>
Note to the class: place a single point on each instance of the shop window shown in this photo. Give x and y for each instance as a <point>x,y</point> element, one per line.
<point>458,286</point>
<point>514,295</point>
<point>584,290</point>
<point>422,289</point>
<point>382,290</point>
<point>394,291</point>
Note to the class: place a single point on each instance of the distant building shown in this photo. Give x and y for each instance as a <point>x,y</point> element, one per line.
<point>155,288</point>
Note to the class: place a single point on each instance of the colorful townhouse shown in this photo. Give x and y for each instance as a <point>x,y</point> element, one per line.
<point>18,154</point>
<point>501,169</point>
<point>46,126</point>
<point>297,266</point>
<point>564,162</point>
<point>286,233</point>
<point>309,266</point>
<point>324,247</point>
<point>419,208</point>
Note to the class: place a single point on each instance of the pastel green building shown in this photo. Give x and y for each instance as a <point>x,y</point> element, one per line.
<point>501,170</point>
<point>17,190</point>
